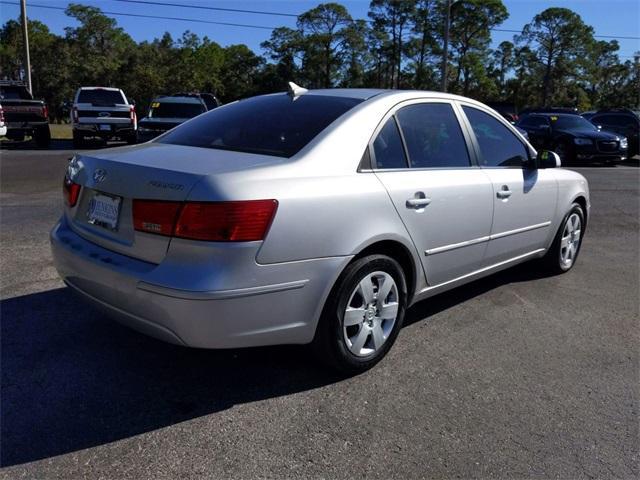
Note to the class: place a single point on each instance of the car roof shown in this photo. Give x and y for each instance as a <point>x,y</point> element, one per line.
<point>543,114</point>
<point>179,99</point>
<point>113,89</point>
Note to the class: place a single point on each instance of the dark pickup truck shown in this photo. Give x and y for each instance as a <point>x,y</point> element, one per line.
<point>24,115</point>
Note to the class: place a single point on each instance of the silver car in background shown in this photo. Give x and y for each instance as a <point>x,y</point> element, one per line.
<point>311,217</point>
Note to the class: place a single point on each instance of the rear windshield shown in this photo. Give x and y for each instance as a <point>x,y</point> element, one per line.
<point>14,93</point>
<point>269,125</point>
<point>175,110</point>
<point>102,98</point>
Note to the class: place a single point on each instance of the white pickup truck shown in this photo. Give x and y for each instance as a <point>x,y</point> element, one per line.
<point>103,112</point>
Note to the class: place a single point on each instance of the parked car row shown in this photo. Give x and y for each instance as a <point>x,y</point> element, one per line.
<point>107,113</point>
<point>607,135</point>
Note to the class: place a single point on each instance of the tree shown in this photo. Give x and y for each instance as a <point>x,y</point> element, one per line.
<point>285,47</point>
<point>471,23</point>
<point>392,18</point>
<point>424,44</point>
<point>323,30</point>
<point>559,39</point>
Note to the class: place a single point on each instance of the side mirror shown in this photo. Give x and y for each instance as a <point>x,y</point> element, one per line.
<point>548,159</point>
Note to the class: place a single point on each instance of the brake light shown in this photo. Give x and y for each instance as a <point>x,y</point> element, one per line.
<point>154,216</point>
<point>74,113</point>
<point>45,111</point>
<point>1,115</point>
<point>70,191</point>
<point>243,221</point>
<point>132,113</point>
<point>238,221</point>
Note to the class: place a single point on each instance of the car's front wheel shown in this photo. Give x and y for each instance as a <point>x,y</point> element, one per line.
<point>363,314</point>
<point>563,253</point>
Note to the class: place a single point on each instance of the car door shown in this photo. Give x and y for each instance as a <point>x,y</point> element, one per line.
<point>524,199</point>
<point>421,156</point>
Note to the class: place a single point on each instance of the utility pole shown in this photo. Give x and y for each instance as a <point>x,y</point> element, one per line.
<point>445,50</point>
<point>25,41</point>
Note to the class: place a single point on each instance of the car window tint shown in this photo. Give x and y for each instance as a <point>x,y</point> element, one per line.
<point>175,110</point>
<point>433,136</point>
<point>499,147</point>
<point>533,122</point>
<point>387,147</point>
<point>269,125</point>
<point>99,97</point>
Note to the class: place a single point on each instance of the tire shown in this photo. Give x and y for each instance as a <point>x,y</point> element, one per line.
<point>42,136</point>
<point>565,152</point>
<point>133,138</point>
<point>78,139</point>
<point>354,349</point>
<point>556,259</point>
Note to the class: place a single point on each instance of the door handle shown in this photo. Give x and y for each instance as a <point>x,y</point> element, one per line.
<point>420,200</point>
<point>504,192</point>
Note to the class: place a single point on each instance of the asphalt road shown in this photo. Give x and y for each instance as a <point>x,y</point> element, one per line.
<point>514,376</point>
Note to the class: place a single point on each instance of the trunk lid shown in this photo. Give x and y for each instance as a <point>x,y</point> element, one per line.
<point>152,171</point>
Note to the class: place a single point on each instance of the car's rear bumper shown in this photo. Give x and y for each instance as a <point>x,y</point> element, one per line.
<point>96,129</point>
<point>280,311</point>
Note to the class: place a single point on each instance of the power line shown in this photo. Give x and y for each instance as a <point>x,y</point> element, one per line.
<point>157,17</point>
<point>242,25</point>
<point>203,7</point>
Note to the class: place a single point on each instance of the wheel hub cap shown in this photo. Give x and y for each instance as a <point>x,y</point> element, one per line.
<point>371,313</point>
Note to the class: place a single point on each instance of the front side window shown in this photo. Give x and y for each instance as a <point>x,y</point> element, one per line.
<point>499,147</point>
<point>387,147</point>
<point>433,136</point>
<point>268,125</point>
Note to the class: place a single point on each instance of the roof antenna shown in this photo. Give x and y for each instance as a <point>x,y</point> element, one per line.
<point>294,91</point>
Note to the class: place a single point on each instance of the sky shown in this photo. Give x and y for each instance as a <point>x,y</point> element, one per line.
<point>618,18</point>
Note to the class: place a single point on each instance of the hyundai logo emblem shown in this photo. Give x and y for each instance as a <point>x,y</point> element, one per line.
<point>104,114</point>
<point>99,175</point>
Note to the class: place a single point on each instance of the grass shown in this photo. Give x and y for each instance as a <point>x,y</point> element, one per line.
<point>60,131</point>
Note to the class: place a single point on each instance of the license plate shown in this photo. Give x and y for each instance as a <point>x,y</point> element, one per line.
<point>104,211</point>
<point>104,127</point>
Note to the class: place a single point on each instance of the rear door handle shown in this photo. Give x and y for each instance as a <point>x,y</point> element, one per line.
<point>419,201</point>
<point>504,192</point>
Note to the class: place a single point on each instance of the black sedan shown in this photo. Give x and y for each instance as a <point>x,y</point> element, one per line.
<point>572,137</point>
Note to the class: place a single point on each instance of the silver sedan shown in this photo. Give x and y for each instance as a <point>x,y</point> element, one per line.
<point>311,217</point>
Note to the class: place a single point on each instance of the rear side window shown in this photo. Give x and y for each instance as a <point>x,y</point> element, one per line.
<point>175,110</point>
<point>499,147</point>
<point>269,125</point>
<point>102,98</point>
<point>433,136</point>
<point>387,147</point>
<point>15,92</point>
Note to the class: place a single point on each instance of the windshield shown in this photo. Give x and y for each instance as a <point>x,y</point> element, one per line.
<point>268,125</point>
<point>103,98</point>
<point>572,122</point>
<point>175,110</point>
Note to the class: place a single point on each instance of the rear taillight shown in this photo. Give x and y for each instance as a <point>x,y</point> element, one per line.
<point>1,115</point>
<point>45,111</point>
<point>70,191</point>
<point>241,221</point>
<point>132,113</point>
<point>74,113</point>
<point>153,216</point>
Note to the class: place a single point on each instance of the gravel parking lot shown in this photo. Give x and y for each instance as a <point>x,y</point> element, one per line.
<point>514,376</point>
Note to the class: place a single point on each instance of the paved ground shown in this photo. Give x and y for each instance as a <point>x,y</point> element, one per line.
<point>515,376</point>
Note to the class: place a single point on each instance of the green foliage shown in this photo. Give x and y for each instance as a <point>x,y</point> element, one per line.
<point>555,60</point>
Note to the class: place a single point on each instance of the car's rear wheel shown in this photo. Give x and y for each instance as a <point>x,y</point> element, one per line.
<point>363,314</point>
<point>78,139</point>
<point>42,136</point>
<point>564,251</point>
